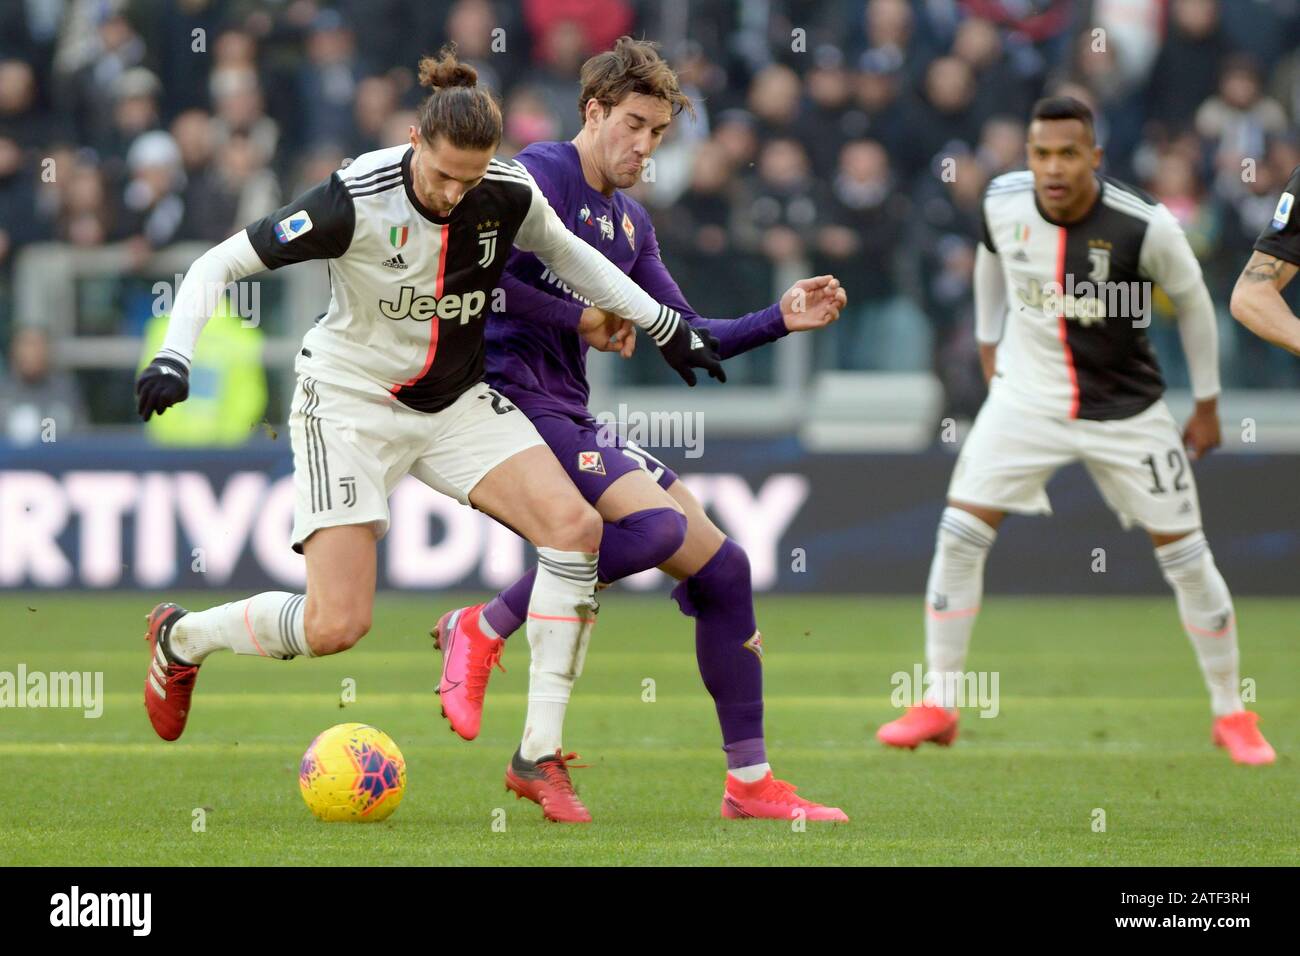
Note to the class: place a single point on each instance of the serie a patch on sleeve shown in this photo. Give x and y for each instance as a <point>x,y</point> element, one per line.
<point>1282,214</point>
<point>287,230</point>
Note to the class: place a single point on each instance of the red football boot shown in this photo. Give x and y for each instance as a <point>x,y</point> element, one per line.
<point>919,724</point>
<point>546,782</point>
<point>468,656</point>
<point>169,684</point>
<point>772,799</point>
<point>1240,735</point>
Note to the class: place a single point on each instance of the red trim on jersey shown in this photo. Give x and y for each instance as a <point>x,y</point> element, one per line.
<point>1065,342</point>
<point>433,321</point>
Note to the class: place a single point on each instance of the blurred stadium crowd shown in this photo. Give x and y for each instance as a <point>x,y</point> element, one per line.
<point>823,134</point>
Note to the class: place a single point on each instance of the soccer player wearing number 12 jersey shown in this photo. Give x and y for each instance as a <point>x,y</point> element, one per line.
<point>1062,283</point>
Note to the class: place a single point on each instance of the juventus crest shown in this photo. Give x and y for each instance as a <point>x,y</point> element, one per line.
<point>487,243</point>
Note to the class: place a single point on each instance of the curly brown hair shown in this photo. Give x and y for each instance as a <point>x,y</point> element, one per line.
<point>458,109</point>
<point>633,66</point>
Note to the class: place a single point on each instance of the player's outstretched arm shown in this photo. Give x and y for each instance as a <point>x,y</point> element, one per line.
<point>166,380</point>
<point>1257,301</point>
<point>808,304</point>
<point>599,280</point>
<point>317,225</point>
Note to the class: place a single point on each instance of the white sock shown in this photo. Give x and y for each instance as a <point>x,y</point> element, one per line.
<point>952,599</point>
<point>561,615</point>
<point>1206,609</point>
<point>751,774</point>
<point>266,625</point>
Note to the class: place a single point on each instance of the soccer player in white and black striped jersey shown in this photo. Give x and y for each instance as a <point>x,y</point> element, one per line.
<point>390,383</point>
<point>1062,291</point>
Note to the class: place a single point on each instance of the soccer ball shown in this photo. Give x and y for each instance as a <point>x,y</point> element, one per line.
<point>352,772</point>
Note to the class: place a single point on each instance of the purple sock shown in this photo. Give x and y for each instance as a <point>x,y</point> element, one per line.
<point>638,542</point>
<point>720,598</point>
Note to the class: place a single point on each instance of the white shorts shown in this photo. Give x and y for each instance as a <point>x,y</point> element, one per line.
<point>351,448</point>
<point>1138,463</point>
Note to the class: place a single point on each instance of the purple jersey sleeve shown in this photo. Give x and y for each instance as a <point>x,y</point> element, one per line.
<point>527,303</point>
<point>734,335</point>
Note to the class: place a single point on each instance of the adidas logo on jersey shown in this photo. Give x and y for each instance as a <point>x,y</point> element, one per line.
<point>397,262</point>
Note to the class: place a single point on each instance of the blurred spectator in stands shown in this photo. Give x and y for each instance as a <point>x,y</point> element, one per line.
<point>943,118</point>
<point>563,49</point>
<point>315,168</point>
<point>1237,122</point>
<point>135,111</point>
<point>237,100</point>
<point>35,395</point>
<point>96,46</point>
<point>599,24</point>
<point>19,219</point>
<point>999,86</point>
<point>889,34</point>
<point>700,222</point>
<point>397,129</point>
<point>1186,72</point>
<point>469,25</point>
<point>878,109</point>
<point>376,102</point>
<point>774,102</point>
<point>1002,145</point>
<point>236,190</point>
<point>859,242</point>
<point>21,118</point>
<point>528,119</point>
<point>947,222</point>
<point>785,205</point>
<point>736,133</point>
<point>85,218</point>
<point>826,118</point>
<point>327,81</point>
<point>152,206</point>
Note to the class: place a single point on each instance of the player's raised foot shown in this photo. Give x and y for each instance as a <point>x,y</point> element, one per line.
<point>772,799</point>
<point>546,782</point>
<point>1239,734</point>
<point>468,656</point>
<point>169,684</point>
<point>919,724</point>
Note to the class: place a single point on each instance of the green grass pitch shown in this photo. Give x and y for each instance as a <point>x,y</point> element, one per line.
<point>1102,706</point>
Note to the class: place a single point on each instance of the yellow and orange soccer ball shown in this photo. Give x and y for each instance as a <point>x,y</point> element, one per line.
<point>354,773</point>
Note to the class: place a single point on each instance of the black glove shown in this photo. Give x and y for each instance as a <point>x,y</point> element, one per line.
<point>160,386</point>
<point>686,348</point>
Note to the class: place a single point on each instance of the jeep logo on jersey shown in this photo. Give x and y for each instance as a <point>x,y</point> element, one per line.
<point>422,308</point>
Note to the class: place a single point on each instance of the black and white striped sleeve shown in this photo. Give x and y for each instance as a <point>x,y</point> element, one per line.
<point>317,225</point>
<point>589,272</point>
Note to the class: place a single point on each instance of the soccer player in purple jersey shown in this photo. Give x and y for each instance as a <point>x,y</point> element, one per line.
<point>628,98</point>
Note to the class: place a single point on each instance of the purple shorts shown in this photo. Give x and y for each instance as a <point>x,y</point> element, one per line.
<point>595,457</point>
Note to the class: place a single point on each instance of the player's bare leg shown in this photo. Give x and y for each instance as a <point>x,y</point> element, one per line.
<point>332,616</point>
<point>953,594</point>
<point>1205,606</point>
<point>531,493</point>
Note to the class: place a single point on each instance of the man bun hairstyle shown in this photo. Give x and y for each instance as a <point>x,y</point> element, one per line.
<point>458,109</point>
<point>633,66</point>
